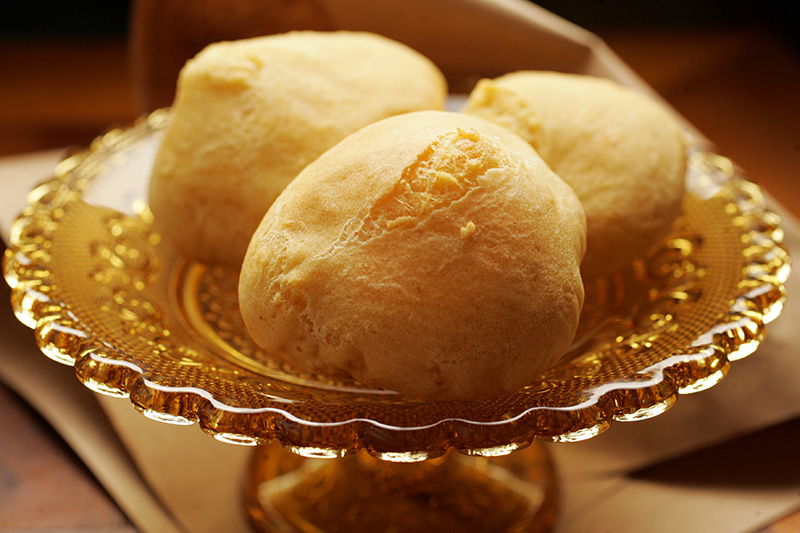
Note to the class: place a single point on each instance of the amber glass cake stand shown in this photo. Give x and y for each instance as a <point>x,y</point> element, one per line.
<point>104,293</point>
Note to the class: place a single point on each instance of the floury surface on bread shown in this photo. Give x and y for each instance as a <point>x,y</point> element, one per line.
<point>250,114</point>
<point>432,253</point>
<point>622,152</point>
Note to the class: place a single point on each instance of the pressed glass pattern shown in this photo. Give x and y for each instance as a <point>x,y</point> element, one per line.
<point>104,293</point>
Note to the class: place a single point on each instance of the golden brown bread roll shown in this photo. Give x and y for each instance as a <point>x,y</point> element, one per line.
<point>432,253</point>
<point>250,114</point>
<point>621,152</point>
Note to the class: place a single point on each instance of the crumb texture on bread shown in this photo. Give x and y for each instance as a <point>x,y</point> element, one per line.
<point>431,253</point>
<point>621,151</point>
<point>250,114</point>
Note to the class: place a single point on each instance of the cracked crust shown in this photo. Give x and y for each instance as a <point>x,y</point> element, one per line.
<point>433,254</point>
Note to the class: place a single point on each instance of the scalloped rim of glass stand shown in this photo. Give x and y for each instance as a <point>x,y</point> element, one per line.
<point>36,304</point>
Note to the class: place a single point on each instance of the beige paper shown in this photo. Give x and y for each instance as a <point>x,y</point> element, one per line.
<point>54,391</point>
<point>196,478</point>
<point>623,505</point>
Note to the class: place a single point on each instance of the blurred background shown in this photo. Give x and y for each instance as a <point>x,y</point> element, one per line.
<point>65,72</point>
<point>732,68</point>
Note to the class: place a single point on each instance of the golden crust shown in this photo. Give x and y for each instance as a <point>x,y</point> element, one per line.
<point>431,253</point>
<point>621,152</point>
<point>250,114</point>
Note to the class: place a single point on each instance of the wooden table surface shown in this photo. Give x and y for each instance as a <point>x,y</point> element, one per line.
<point>738,86</point>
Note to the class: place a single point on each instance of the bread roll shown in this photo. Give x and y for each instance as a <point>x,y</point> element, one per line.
<point>250,114</point>
<point>433,254</point>
<point>621,152</point>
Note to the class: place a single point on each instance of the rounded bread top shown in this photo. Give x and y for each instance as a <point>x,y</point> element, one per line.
<point>621,151</point>
<point>431,253</point>
<point>250,114</point>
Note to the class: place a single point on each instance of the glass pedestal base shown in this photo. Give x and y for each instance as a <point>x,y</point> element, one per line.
<point>455,492</point>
